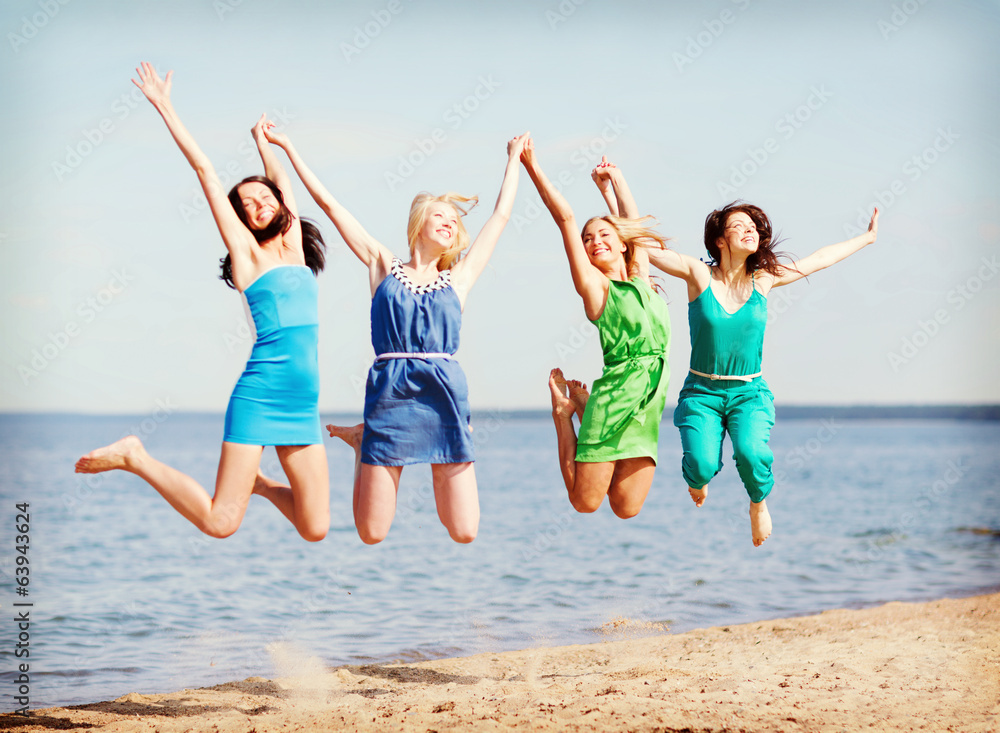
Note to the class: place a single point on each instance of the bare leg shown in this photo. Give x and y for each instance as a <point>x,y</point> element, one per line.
<point>562,415</point>
<point>699,495</point>
<point>277,493</point>
<point>218,516</point>
<point>587,483</point>
<point>457,499</point>
<point>760,522</point>
<point>352,436</point>
<point>375,501</point>
<point>630,485</point>
<point>375,488</point>
<point>309,476</point>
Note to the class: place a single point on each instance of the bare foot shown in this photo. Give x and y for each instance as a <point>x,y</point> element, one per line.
<point>760,523</point>
<point>562,406</point>
<point>351,436</point>
<point>578,395</point>
<point>698,495</point>
<point>121,454</point>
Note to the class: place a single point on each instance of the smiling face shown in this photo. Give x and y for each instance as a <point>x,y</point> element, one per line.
<point>259,204</point>
<point>740,234</point>
<point>602,243</point>
<point>440,225</point>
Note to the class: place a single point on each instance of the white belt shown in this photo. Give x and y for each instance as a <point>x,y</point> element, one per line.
<point>714,377</point>
<point>412,355</point>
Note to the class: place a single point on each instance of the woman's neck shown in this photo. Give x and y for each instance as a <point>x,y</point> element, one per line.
<point>731,270</point>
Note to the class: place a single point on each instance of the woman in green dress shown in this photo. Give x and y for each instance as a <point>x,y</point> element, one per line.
<point>615,451</point>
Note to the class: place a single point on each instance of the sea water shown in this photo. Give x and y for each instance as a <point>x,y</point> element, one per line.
<point>128,597</point>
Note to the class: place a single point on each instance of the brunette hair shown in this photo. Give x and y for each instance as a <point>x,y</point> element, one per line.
<point>313,246</point>
<point>765,258</point>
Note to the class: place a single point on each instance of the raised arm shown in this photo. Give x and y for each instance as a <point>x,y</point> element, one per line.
<point>373,254</point>
<point>237,237</point>
<point>829,255</point>
<point>590,283</point>
<point>611,181</point>
<point>465,273</point>
<point>276,173</point>
<point>690,269</point>
<point>272,166</point>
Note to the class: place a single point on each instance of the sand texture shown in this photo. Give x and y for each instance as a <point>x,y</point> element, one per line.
<point>899,667</point>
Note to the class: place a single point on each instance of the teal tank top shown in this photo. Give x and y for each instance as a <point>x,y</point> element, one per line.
<point>727,343</point>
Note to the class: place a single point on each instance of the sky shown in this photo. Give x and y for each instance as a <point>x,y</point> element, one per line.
<point>814,111</point>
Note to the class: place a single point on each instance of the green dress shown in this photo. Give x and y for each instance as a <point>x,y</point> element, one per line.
<point>622,418</point>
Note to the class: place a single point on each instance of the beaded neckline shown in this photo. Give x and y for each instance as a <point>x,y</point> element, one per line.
<point>443,280</point>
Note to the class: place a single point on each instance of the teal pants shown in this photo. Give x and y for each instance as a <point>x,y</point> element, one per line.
<point>706,411</point>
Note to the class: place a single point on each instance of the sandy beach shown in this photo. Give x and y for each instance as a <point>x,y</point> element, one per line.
<point>898,667</point>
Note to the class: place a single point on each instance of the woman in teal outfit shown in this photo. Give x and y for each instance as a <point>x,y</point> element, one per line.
<point>615,452</point>
<point>727,312</point>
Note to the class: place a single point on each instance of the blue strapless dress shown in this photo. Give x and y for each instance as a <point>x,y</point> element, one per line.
<point>416,409</point>
<point>276,400</point>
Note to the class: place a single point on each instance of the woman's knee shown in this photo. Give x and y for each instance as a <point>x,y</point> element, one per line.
<point>463,535</point>
<point>314,530</point>
<point>586,500</point>
<point>755,457</point>
<point>624,508</point>
<point>699,469</point>
<point>369,537</point>
<point>221,527</point>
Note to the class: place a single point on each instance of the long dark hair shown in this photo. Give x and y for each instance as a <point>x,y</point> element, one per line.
<point>313,246</point>
<point>765,258</point>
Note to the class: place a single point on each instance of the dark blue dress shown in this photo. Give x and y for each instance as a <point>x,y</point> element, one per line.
<point>416,408</point>
<point>276,400</point>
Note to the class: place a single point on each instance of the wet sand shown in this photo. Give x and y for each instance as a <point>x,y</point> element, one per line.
<point>899,667</point>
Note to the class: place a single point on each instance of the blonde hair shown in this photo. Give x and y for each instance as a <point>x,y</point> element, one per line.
<point>633,233</point>
<point>418,215</point>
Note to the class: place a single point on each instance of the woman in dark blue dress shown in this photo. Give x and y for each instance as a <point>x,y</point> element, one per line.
<point>273,260</point>
<point>416,397</point>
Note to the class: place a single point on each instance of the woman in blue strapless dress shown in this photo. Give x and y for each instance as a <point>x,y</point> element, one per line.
<point>273,260</point>
<point>416,397</point>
